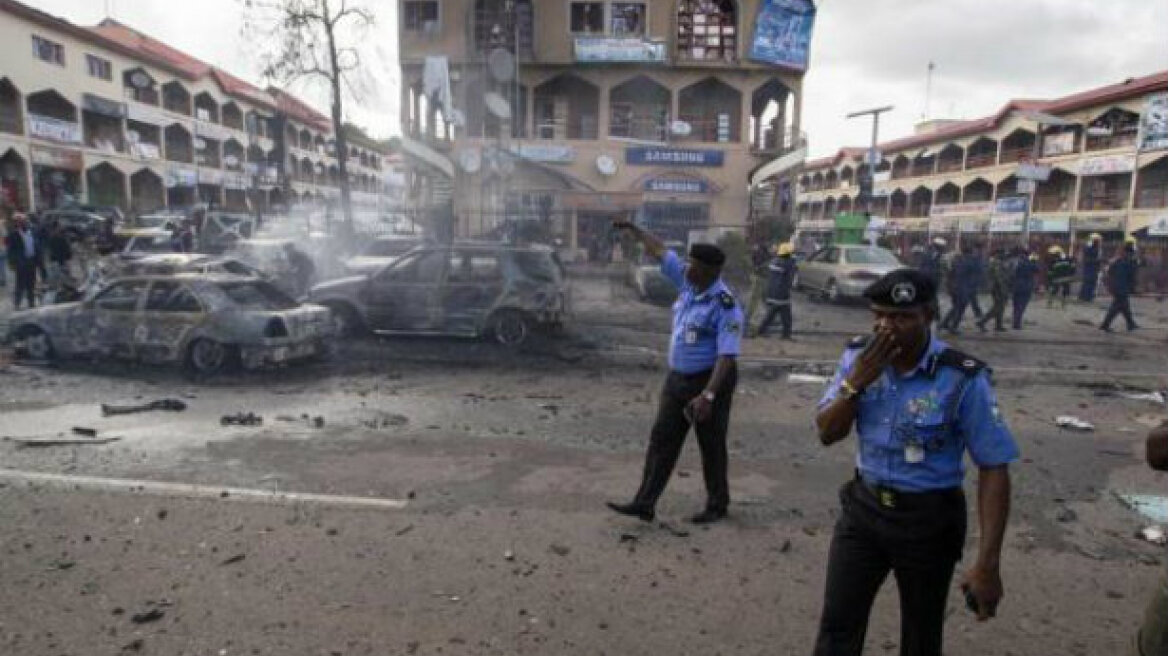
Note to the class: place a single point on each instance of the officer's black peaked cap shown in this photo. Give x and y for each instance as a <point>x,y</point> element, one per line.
<point>902,288</point>
<point>707,254</point>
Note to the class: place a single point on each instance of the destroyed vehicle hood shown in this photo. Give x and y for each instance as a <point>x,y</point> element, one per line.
<point>339,284</point>
<point>43,312</point>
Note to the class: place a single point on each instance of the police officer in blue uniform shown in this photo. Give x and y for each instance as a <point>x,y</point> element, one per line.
<point>703,347</point>
<point>918,407</point>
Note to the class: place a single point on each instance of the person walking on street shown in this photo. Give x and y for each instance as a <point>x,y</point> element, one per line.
<point>962,279</point>
<point>24,257</point>
<point>1092,258</point>
<point>979,272</point>
<point>782,270</point>
<point>1060,273</point>
<point>703,352</point>
<point>930,262</point>
<point>1122,276</point>
<point>917,406</point>
<point>60,253</point>
<point>1152,637</point>
<point>1024,279</point>
<point>1000,287</point>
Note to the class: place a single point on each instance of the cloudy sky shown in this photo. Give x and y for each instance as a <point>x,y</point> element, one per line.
<point>865,53</point>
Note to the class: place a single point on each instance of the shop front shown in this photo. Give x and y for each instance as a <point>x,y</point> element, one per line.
<point>106,186</point>
<point>211,187</point>
<point>14,189</point>
<point>235,192</point>
<point>589,215</point>
<point>56,176</point>
<point>147,192</point>
<point>180,186</point>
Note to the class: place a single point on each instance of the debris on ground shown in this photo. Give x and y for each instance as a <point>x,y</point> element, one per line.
<point>1066,515</point>
<point>167,405</point>
<point>152,615</point>
<point>811,379</point>
<point>1154,397</point>
<point>241,419</point>
<point>318,422</point>
<point>1151,421</point>
<point>1071,422</point>
<point>234,559</point>
<point>673,530</point>
<point>1153,534</point>
<point>32,442</point>
<point>85,432</point>
<point>1150,506</point>
<point>559,549</point>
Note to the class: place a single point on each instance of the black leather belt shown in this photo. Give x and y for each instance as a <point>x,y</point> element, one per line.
<point>891,498</point>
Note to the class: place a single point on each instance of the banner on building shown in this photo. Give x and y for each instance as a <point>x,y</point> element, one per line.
<point>654,156</point>
<point>1011,205</point>
<point>1159,227</point>
<point>145,151</point>
<point>1154,123</point>
<point>1015,223</point>
<point>57,158</point>
<point>1098,223</point>
<point>782,33</point>
<point>1062,143</point>
<point>144,114</point>
<point>1108,165</point>
<point>551,154</point>
<point>181,177</point>
<point>961,209</point>
<point>623,49</point>
<point>54,129</point>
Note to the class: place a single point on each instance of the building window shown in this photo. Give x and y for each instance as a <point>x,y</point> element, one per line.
<point>49,51</point>
<point>707,29</point>
<point>420,15</point>
<point>587,17</point>
<point>628,18</point>
<point>99,68</point>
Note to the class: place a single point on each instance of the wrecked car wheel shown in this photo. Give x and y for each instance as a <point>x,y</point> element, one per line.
<point>208,357</point>
<point>346,322</point>
<point>510,328</point>
<point>35,343</point>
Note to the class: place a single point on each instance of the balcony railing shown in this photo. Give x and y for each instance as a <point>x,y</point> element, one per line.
<point>981,160</point>
<point>900,172</point>
<point>709,131</point>
<point>948,165</point>
<point>898,211</point>
<point>917,171</point>
<point>639,127</point>
<point>1113,201</point>
<point>1125,140</point>
<point>1058,202</point>
<point>10,122</point>
<point>1011,155</point>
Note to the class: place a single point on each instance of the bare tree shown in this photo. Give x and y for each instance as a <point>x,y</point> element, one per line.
<point>310,43</point>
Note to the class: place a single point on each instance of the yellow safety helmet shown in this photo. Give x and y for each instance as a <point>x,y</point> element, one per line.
<point>1054,250</point>
<point>1095,236</point>
<point>785,248</point>
<point>1129,240</point>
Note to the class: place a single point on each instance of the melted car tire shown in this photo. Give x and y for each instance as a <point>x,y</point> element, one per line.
<point>346,320</point>
<point>221,358</point>
<point>510,328</point>
<point>30,333</point>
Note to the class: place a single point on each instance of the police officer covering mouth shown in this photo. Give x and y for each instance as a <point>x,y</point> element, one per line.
<point>707,328</point>
<point>917,406</point>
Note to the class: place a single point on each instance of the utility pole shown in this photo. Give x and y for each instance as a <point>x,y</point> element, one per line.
<point>873,154</point>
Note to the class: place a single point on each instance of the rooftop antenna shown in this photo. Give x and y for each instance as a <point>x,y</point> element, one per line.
<point>928,89</point>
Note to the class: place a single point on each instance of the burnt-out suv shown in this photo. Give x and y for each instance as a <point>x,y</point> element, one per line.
<point>466,289</point>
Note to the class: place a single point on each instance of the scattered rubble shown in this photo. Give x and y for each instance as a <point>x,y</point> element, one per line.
<point>241,419</point>
<point>168,405</point>
<point>85,432</point>
<point>1150,506</point>
<point>1153,534</point>
<point>35,442</point>
<point>1070,422</point>
<point>810,379</point>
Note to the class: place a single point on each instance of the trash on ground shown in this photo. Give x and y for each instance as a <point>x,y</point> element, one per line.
<point>808,378</point>
<point>1150,506</point>
<point>1154,397</point>
<point>1153,534</point>
<point>234,559</point>
<point>152,615</point>
<point>83,431</point>
<point>1071,422</point>
<point>241,419</point>
<point>31,442</point>
<point>168,405</point>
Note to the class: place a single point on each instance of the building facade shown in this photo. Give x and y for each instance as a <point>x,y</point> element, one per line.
<point>107,115</point>
<point>1100,158</point>
<point>581,112</point>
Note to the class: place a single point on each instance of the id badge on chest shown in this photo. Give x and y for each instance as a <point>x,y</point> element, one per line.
<point>691,335</point>
<point>914,453</point>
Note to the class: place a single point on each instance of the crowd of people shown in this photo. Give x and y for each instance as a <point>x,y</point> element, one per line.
<point>33,251</point>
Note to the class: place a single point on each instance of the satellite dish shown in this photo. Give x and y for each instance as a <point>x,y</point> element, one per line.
<point>200,144</point>
<point>606,165</point>
<point>498,105</point>
<point>680,128</point>
<point>502,65</point>
<point>471,160</point>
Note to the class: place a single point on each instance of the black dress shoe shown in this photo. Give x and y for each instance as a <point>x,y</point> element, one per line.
<point>708,516</point>
<point>633,510</point>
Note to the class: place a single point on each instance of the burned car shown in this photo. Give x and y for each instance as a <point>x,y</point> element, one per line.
<point>208,323</point>
<point>470,290</point>
<point>380,253</point>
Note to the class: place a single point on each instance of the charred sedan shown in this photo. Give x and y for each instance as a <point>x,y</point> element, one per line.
<point>469,290</point>
<point>208,323</point>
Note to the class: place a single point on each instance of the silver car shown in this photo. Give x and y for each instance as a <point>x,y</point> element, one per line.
<point>845,271</point>
<point>207,323</point>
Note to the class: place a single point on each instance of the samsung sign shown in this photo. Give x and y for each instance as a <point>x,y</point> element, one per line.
<point>650,156</point>
<point>676,186</point>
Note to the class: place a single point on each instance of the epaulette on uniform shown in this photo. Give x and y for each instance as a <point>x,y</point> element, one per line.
<point>967,364</point>
<point>727,299</point>
<point>860,341</point>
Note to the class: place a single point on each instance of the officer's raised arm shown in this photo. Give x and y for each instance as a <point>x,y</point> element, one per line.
<point>654,247</point>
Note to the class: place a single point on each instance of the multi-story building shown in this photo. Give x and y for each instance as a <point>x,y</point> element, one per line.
<point>110,116</point>
<point>582,111</point>
<point>1103,154</point>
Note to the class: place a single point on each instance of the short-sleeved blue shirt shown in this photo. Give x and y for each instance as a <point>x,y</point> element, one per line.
<point>938,408</point>
<point>706,326</point>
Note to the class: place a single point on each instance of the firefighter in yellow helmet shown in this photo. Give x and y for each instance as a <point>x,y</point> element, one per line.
<point>1060,273</point>
<point>781,272</point>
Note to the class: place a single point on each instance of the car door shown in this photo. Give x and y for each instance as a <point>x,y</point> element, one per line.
<point>170,313</point>
<point>474,282</point>
<point>106,324</point>
<point>405,297</point>
<point>811,270</point>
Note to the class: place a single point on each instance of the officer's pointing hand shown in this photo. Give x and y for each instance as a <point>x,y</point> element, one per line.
<point>876,356</point>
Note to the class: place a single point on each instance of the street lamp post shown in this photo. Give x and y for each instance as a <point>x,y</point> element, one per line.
<point>873,154</point>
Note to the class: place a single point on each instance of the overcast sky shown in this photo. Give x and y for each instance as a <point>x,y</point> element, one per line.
<point>865,53</point>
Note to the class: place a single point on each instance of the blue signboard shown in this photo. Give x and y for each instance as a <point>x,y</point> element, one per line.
<point>677,186</point>
<point>782,33</point>
<point>1010,205</point>
<point>654,156</point>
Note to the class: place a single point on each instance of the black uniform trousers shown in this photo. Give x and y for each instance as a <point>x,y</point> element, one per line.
<point>668,436</point>
<point>1021,302</point>
<point>783,312</point>
<point>919,541</point>
<point>26,273</point>
<point>1120,304</point>
<point>997,311</point>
